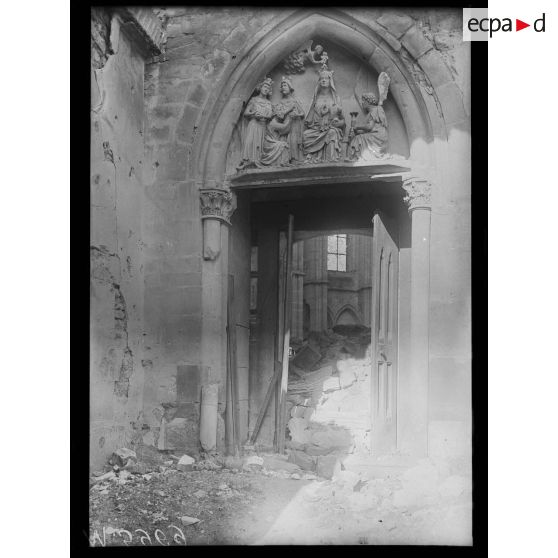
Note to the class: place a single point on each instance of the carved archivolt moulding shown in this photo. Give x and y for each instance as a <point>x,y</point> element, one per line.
<point>217,204</point>
<point>418,192</point>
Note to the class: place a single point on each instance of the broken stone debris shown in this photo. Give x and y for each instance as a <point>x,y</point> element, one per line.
<point>329,399</point>
<point>123,457</point>
<point>185,463</point>
<point>252,462</point>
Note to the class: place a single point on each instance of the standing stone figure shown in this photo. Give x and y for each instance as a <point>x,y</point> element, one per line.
<point>370,141</point>
<point>256,116</point>
<point>325,124</point>
<point>288,121</point>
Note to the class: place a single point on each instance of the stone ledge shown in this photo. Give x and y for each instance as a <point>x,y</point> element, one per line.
<point>321,173</point>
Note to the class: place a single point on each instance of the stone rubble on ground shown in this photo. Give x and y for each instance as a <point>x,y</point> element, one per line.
<point>329,399</point>
<point>185,463</point>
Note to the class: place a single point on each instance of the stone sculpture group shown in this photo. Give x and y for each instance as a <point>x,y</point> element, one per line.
<point>281,134</point>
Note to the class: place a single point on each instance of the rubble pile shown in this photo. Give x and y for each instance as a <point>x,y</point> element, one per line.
<point>329,399</point>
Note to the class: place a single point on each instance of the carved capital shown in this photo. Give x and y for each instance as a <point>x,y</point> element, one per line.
<point>217,204</point>
<point>418,192</point>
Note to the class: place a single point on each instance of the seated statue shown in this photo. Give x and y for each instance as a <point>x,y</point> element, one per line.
<point>370,141</point>
<point>324,123</point>
<point>283,140</point>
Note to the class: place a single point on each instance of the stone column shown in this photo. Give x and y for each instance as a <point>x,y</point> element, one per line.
<point>415,405</point>
<point>217,207</point>
<point>298,293</point>
<point>315,284</point>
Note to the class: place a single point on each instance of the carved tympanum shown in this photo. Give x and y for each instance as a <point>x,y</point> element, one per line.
<point>281,134</point>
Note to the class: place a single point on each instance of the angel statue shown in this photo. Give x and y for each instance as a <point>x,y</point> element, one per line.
<point>321,53</point>
<point>256,116</point>
<point>324,123</point>
<point>370,142</point>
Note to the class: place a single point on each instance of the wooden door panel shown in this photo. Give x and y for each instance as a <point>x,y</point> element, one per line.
<point>385,260</point>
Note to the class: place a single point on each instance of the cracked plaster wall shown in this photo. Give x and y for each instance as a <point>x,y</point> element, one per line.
<point>116,372</point>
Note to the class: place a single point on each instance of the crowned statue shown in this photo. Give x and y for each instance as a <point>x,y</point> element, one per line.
<point>283,141</point>
<point>255,119</point>
<point>324,123</point>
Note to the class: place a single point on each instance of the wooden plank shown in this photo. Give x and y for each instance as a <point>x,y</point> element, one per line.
<point>234,367</point>
<point>281,295</point>
<point>232,411</point>
<point>286,339</point>
<point>267,399</point>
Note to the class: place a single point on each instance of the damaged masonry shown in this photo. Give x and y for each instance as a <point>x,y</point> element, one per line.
<point>280,277</point>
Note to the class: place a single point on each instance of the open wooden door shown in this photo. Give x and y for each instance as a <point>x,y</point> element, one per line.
<point>385,272</point>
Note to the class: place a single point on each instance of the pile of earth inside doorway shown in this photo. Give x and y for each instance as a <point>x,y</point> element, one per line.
<point>328,399</point>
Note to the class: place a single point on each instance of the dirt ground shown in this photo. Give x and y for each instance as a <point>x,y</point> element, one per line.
<point>229,506</point>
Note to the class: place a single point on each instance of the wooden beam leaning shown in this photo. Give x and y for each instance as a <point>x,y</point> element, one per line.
<point>279,340</point>
<point>232,430</point>
<point>286,340</point>
<point>267,399</point>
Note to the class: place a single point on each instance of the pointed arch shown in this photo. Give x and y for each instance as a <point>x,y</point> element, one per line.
<point>347,312</point>
<point>371,43</point>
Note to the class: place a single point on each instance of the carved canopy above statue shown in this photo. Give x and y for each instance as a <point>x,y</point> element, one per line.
<point>320,105</point>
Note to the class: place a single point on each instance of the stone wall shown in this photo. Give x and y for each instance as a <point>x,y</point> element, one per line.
<point>146,212</point>
<point>117,270</point>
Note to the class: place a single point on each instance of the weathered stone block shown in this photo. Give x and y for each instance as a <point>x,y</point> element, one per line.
<point>396,24</point>
<point>331,384</point>
<point>172,91</point>
<point>161,133</point>
<point>177,434</point>
<point>276,464</point>
<point>185,463</point>
<point>314,450</point>
<point>415,42</point>
<point>347,376</point>
<point>332,439</point>
<point>303,460</point>
<point>183,300</point>
<point>306,357</point>
<point>451,99</point>
<point>391,40</point>
<point>186,129</point>
<point>197,95</point>
<point>188,382</point>
<point>326,465</point>
<point>166,112</point>
<point>236,39</point>
<point>435,68</point>
<point>298,429</point>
